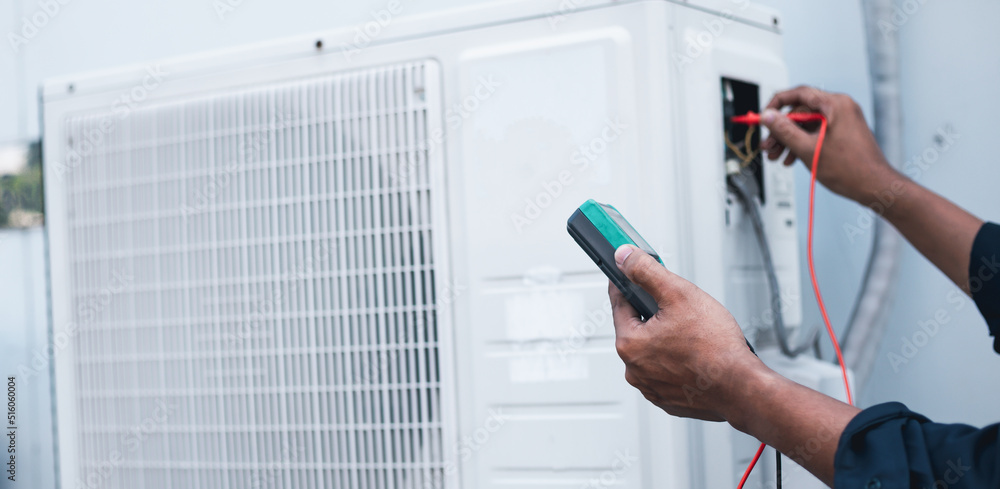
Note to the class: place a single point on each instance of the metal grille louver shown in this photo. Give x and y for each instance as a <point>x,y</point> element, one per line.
<point>253,285</point>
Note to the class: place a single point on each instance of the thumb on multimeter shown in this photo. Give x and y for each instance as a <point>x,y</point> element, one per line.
<point>644,271</point>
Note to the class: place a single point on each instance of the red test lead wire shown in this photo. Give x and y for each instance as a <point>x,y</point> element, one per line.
<point>746,474</point>
<point>751,118</point>
<point>809,252</point>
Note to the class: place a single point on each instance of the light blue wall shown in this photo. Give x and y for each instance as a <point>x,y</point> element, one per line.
<point>950,62</point>
<point>23,335</point>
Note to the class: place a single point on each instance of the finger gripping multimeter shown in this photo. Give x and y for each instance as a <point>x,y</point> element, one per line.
<point>600,229</point>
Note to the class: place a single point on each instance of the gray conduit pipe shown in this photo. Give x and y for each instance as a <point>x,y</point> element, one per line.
<point>869,318</point>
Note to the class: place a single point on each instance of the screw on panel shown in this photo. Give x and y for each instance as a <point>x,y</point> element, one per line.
<point>319,44</point>
<point>939,139</point>
<point>774,20</point>
<point>71,88</point>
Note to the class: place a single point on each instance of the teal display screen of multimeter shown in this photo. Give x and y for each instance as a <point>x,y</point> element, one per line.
<point>600,229</point>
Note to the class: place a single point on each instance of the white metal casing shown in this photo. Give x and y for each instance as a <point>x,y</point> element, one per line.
<point>543,105</point>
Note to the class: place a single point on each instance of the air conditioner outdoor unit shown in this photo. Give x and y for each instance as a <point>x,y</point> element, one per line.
<point>341,260</point>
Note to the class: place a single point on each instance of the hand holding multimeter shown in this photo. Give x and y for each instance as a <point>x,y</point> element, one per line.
<point>600,230</point>
<point>694,341</point>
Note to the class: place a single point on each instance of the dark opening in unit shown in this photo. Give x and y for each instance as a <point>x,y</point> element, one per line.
<point>739,98</point>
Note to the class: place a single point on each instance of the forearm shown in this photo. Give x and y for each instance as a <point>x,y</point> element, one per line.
<point>801,423</point>
<point>852,165</point>
<point>942,231</point>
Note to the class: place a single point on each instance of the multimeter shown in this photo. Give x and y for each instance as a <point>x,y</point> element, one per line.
<point>600,229</point>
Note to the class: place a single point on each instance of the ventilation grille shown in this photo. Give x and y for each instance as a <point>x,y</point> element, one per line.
<point>253,288</point>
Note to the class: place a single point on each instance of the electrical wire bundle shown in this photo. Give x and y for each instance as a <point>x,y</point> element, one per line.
<point>745,187</point>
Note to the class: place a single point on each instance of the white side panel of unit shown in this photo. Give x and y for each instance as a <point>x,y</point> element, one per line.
<point>563,120</point>
<point>546,359</point>
<point>528,152</point>
<point>252,296</point>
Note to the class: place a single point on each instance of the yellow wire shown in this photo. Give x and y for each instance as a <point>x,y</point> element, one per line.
<point>748,139</point>
<point>746,159</point>
<point>735,149</point>
<point>746,144</point>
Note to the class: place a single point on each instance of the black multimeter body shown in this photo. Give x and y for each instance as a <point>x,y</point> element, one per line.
<point>600,230</point>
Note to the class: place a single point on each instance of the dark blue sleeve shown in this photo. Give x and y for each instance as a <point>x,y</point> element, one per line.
<point>984,277</point>
<point>889,446</point>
